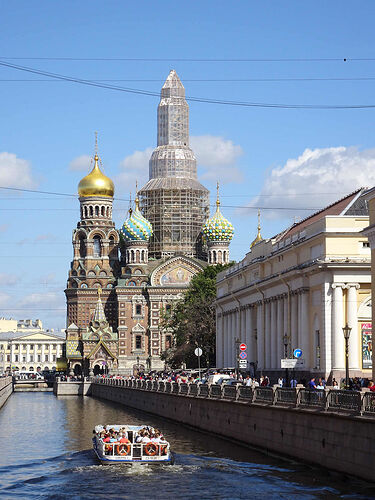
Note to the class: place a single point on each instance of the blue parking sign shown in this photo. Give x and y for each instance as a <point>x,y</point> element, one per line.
<point>297,353</point>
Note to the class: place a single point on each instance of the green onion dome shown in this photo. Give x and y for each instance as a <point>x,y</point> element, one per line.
<point>218,228</point>
<point>136,227</point>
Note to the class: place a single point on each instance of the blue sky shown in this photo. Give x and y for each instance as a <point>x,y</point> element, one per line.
<point>267,157</point>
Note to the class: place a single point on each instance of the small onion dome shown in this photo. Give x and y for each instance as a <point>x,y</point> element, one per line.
<point>96,183</point>
<point>218,228</point>
<point>136,227</point>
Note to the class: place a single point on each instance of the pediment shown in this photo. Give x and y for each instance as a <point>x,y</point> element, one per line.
<point>39,336</point>
<point>177,271</point>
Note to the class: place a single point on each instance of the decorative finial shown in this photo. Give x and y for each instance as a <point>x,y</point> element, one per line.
<point>96,157</point>
<point>217,195</point>
<point>99,292</point>
<point>258,220</point>
<point>130,204</point>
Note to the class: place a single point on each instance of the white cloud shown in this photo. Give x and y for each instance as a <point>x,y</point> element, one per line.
<point>15,172</point>
<point>8,279</point>
<point>315,179</point>
<point>217,158</point>
<point>133,168</point>
<point>4,299</point>
<point>80,163</point>
<point>46,300</point>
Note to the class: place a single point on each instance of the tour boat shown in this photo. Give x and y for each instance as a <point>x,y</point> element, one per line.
<point>128,450</point>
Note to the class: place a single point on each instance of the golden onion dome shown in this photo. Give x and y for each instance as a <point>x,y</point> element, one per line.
<point>96,183</point>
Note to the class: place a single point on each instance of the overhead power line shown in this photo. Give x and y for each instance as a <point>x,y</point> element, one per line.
<point>202,80</point>
<point>191,59</point>
<point>47,209</point>
<point>188,98</point>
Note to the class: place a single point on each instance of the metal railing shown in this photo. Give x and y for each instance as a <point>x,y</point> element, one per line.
<point>324,400</point>
<point>312,399</point>
<point>286,396</point>
<point>264,395</point>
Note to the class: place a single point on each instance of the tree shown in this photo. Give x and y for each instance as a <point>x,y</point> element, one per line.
<point>192,321</point>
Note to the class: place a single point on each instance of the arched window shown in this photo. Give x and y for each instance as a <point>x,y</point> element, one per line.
<point>102,211</point>
<point>112,248</point>
<point>97,246</point>
<point>82,247</point>
<point>91,211</point>
<point>96,211</point>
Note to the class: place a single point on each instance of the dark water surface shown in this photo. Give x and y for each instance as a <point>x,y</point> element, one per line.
<point>46,453</point>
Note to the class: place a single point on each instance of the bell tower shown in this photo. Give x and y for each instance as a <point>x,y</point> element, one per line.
<point>95,261</point>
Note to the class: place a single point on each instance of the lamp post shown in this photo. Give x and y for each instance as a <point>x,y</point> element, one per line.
<point>346,331</point>
<point>286,342</point>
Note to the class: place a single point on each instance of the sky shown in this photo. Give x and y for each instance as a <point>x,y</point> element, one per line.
<point>317,57</point>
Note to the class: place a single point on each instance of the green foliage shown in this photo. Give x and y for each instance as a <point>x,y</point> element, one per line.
<point>192,321</point>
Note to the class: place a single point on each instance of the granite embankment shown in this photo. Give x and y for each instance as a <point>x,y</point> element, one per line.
<point>335,440</point>
<point>6,389</point>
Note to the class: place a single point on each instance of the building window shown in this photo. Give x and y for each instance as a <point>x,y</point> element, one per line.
<point>168,341</point>
<point>168,309</point>
<point>16,357</point>
<point>24,359</point>
<point>54,357</point>
<point>31,359</point>
<point>365,244</point>
<point>138,342</point>
<point>138,309</point>
<point>97,246</point>
<point>39,358</point>
<point>46,357</point>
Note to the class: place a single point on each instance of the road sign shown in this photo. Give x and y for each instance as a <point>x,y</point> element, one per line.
<point>297,353</point>
<point>288,363</point>
<point>243,363</point>
<point>243,347</point>
<point>198,351</point>
<point>243,355</point>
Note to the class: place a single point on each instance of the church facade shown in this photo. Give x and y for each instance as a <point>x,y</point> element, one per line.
<point>122,282</point>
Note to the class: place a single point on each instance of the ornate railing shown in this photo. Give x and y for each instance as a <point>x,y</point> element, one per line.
<point>324,400</point>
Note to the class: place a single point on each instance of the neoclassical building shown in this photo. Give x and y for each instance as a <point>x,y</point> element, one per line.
<point>141,269</point>
<point>298,290</point>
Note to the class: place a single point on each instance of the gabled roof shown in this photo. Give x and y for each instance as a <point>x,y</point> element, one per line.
<point>345,206</point>
<point>105,347</point>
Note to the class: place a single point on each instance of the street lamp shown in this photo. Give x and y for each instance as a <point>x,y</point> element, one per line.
<point>286,343</point>
<point>346,331</point>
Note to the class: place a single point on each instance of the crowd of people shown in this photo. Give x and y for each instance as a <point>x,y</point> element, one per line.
<point>118,441</point>
<point>191,376</point>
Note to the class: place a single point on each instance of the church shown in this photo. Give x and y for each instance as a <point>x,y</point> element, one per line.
<point>122,282</point>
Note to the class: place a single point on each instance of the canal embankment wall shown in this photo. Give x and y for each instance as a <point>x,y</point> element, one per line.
<point>340,442</point>
<point>6,389</point>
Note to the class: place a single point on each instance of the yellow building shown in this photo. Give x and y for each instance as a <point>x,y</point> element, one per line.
<point>298,290</point>
<point>30,351</point>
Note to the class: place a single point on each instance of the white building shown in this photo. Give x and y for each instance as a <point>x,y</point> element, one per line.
<point>297,290</point>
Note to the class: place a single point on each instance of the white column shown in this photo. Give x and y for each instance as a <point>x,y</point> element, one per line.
<point>274,334</point>
<point>50,354</point>
<point>338,355</point>
<point>294,323</point>
<point>260,336</point>
<point>285,326</point>
<point>267,336</point>
<point>280,331</point>
<point>304,328</point>
<point>354,361</point>
<point>27,353</point>
<point>42,355</point>
<point>226,340</point>
<point>243,314</point>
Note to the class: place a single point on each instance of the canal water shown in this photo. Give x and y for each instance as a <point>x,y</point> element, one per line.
<point>46,453</point>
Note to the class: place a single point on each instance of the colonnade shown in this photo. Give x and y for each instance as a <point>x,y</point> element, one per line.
<point>274,326</point>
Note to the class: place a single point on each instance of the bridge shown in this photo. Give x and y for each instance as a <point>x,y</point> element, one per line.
<point>31,385</point>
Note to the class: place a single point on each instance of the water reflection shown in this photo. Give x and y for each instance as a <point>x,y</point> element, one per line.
<point>46,453</point>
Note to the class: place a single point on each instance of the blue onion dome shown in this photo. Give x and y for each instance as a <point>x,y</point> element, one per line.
<point>218,228</point>
<point>136,227</point>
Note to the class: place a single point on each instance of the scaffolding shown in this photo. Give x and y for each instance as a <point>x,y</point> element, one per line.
<point>173,200</point>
